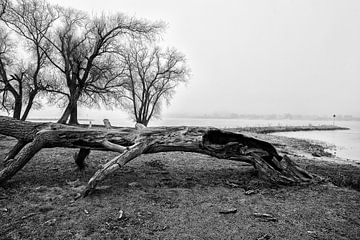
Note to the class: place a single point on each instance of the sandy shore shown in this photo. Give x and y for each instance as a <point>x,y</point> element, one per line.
<point>180,196</point>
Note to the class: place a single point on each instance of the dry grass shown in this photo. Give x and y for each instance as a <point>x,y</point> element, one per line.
<point>339,174</point>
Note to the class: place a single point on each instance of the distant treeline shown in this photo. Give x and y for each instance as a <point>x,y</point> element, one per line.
<point>270,116</point>
<point>273,129</point>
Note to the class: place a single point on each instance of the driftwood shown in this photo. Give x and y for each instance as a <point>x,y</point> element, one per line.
<point>132,142</point>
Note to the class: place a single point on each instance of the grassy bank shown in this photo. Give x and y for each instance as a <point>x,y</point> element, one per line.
<point>177,196</point>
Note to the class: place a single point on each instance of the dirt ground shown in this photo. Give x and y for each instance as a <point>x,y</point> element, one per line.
<point>178,196</point>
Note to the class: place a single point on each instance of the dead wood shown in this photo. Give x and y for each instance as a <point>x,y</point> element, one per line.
<point>132,142</point>
<point>80,157</point>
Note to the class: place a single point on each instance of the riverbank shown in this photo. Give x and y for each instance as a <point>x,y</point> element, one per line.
<point>179,196</point>
<point>339,142</point>
<point>312,156</point>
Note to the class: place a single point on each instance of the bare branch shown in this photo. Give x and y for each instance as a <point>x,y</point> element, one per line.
<point>30,22</point>
<point>113,147</point>
<point>151,75</point>
<point>84,49</point>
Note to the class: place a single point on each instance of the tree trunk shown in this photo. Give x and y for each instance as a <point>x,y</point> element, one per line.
<point>132,142</point>
<point>65,116</point>
<point>28,106</point>
<point>143,122</point>
<point>80,158</point>
<point>70,111</point>
<point>17,108</point>
<point>73,114</point>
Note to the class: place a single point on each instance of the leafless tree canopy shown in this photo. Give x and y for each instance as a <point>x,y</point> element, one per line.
<point>151,76</point>
<point>6,88</point>
<point>83,55</point>
<point>24,77</point>
<point>73,58</point>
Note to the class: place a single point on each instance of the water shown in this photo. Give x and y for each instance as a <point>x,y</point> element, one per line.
<point>346,142</point>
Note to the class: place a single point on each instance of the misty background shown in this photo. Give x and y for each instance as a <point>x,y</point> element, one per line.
<point>253,57</point>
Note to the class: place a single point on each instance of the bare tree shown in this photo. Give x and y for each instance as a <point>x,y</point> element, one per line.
<point>151,78</point>
<point>84,48</point>
<point>10,98</point>
<point>30,20</point>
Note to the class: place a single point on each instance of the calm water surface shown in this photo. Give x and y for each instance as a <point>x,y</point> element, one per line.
<point>347,142</point>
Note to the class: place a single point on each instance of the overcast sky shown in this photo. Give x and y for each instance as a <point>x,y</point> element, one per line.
<point>262,57</point>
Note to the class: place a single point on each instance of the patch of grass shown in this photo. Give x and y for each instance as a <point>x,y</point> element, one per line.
<point>340,175</point>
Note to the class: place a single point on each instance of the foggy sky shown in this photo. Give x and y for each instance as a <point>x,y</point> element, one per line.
<point>262,57</point>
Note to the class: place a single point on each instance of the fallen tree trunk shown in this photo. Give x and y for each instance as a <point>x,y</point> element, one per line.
<point>132,142</point>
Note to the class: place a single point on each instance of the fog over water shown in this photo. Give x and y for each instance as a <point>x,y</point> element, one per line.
<point>258,56</point>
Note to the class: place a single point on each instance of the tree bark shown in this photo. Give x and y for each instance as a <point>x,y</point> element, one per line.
<point>65,116</point>
<point>73,114</point>
<point>80,158</point>
<point>17,108</point>
<point>132,142</point>
<point>21,159</point>
<point>28,106</point>
<point>14,151</point>
<point>70,111</point>
<point>143,122</point>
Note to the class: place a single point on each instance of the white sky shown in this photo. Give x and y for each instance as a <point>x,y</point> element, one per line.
<point>258,56</point>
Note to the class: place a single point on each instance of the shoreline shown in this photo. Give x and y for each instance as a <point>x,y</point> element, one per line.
<point>328,149</point>
<point>275,129</point>
<point>309,149</point>
<point>312,156</point>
